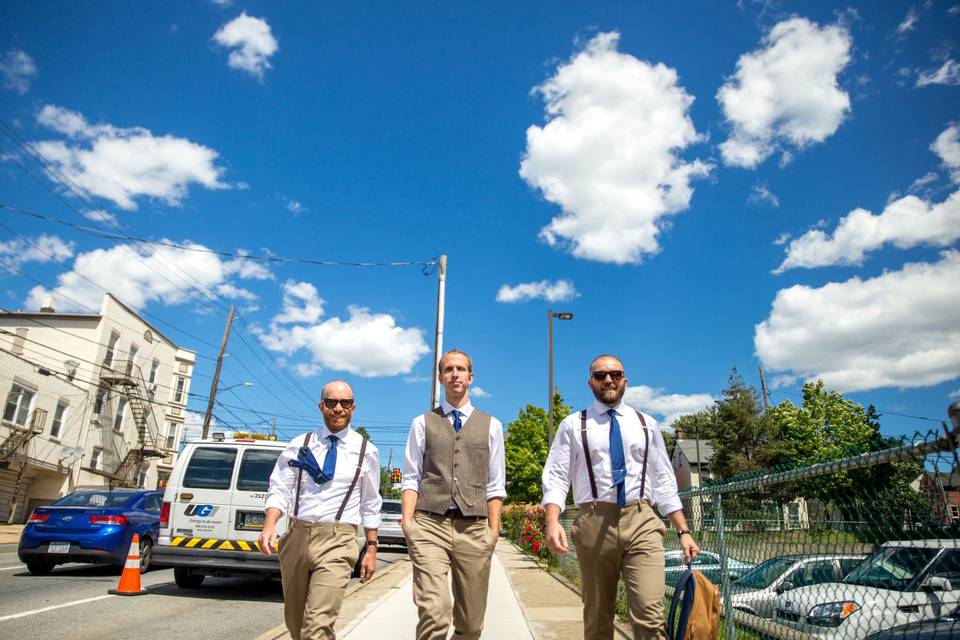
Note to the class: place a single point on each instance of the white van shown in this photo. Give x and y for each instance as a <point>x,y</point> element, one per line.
<point>213,509</point>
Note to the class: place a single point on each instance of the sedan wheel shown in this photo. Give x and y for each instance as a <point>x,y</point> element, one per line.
<point>40,568</point>
<point>146,554</point>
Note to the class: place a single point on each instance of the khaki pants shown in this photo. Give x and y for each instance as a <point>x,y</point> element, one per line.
<point>611,542</point>
<point>316,560</point>
<point>439,545</point>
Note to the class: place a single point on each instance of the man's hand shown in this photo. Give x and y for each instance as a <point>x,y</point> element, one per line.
<point>268,540</point>
<point>556,538</point>
<point>369,564</point>
<point>690,547</point>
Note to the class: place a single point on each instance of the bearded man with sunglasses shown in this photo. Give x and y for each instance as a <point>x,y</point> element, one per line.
<point>616,459</point>
<point>328,482</point>
<point>452,492</point>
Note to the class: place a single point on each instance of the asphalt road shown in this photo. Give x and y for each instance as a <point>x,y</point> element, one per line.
<point>72,602</point>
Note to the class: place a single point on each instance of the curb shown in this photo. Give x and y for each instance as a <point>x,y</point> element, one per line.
<point>280,632</point>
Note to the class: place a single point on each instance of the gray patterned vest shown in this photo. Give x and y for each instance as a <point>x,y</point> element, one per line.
<point>455,465</point>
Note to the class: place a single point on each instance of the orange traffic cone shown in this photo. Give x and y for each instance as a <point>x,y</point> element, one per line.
<point>129,584</point>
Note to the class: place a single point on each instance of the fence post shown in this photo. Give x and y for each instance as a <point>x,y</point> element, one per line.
<point>724,573</point>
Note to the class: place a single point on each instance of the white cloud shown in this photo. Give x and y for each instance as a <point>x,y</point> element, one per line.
<point>947,146</point>
<point>785,94</point>
<point>43,248</point>
<point>296,207</point>
<point>670,406</point>
<point>480,392</point>
<point>193,427</point>
<point>252,43</point>
<point>300,303</point>
<point>135,274</point>
<point>948,73</point>
<point>100,215</point>
<point>609,153</point>
<point>954,10</point>
<point>230,290</point>
<point>248,269</point>
<point>904,223</point>
<point>954,394</point>
<point>557,291</point>
<point>782,239</point>
<point>416,379</point>
<point>307,369</point>
<point>366,344</point>
<point>900,329</point>
<point>123,164</point>
<point>760,194</point>
<point>16,69</point>
<point>909,22</point>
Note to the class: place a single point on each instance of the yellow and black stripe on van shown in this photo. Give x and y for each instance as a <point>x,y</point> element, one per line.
<point>216,544</point>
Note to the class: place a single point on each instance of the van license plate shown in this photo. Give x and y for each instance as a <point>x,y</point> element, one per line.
<point>58,547</point>
<point>250,520</point>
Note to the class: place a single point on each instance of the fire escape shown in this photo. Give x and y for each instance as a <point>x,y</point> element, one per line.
<point>125,378</point>
<point>20,437</point>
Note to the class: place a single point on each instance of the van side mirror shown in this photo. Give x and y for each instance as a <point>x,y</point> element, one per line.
<point>784,586</point>
<point>937,583</point>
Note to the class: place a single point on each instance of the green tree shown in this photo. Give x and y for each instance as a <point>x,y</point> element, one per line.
<point>363,431</point>
<point>386,487</point>
<point>526,448</point>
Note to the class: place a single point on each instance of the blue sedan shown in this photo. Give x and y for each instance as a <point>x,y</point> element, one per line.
<point>92,525</point>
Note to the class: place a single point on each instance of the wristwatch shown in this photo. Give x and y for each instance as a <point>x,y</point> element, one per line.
<point>684,531</point>
<point>373,543</point>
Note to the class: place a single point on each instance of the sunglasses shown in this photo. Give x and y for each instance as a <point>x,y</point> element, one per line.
<point>600,376</point>
<point>331,403</point>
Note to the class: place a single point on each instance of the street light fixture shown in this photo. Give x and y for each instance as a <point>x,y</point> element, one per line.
<point>234,386</point>
<point>551,314</point>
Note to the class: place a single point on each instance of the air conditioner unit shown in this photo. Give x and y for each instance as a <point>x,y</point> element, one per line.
<point>95,419</point>
<point>152,387</point>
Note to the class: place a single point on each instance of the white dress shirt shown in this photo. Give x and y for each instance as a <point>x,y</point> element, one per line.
<point>320,503</point>
<point>567,463</point>
<point>413,457</point>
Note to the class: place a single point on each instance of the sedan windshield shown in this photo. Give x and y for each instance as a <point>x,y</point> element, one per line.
<point>891,568</point>
<point>94,499</point>
<point>764,574</point>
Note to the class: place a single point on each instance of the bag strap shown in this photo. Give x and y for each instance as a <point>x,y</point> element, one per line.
<point>646,454</point>
<point>296,501</point>
<point>356,476</point>
<point>686,589</point>
<point>586,452</point>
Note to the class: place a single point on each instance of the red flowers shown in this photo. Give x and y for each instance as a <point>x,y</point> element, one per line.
<point>526,527</point>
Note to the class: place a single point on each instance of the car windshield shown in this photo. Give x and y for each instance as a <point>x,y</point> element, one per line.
<point>763,575</point>
<point>891,568</point>
<point>94,499</point>
<point>391,507</point>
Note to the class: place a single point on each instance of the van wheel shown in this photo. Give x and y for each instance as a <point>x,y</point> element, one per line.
<point>187,580</point>
<point>40,568</point>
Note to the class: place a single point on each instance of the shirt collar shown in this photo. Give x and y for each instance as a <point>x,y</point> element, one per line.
<point>322,433</point>
<point>602,409</point>
<point>465,410</point>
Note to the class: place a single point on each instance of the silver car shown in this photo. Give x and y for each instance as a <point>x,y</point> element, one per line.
<point>390,531</point>
<point>756,591</point>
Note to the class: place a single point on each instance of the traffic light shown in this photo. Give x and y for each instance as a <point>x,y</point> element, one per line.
<point>395,475</point>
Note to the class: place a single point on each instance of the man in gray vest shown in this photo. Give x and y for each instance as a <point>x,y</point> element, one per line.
<point>452,494</point>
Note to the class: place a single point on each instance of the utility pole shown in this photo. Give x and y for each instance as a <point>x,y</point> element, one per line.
<point>551,314</point>
<point>390,460</point>
<point>273,430</point>
<point>438,335</point>
<point>216,376</point>
<point>763,388</point>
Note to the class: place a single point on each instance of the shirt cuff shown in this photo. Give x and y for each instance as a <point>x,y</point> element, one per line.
<point>370,521</point>
<point>410,484</point>
<point>557,497</point>
<point>276,502</point>
<point>499,492</point>
<point>669,506</point>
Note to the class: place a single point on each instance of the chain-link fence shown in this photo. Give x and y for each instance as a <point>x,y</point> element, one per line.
<point>863,546</point>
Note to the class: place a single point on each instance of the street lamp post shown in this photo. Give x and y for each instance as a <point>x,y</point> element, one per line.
<point>551,314</point>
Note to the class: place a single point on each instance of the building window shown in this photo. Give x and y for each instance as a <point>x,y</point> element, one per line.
<point>118,418</point>
<point>171,436</point>
<point>131,358</point>
<point>57,425</point>
<point>178,394</point>
<point>111,346</point>
<point>153,371</point>
<point>96,458</point>
<point>20,336</point>
<point>954,511</point>
<point>100,402</point>
<point>18,404</point>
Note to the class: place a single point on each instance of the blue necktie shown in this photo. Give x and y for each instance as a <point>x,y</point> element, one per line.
<point>330,462</point>
<point>457,425</point>
<point>616,458</point>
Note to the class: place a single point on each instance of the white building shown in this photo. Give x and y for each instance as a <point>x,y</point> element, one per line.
<point>91,400</point>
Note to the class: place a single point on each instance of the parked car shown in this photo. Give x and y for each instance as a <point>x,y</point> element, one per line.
<point>900,583</point>
<point>706,562</point>
<point>946,627</point>
<point>756,590</point>
<point>390,531</point>
<point>93,526</point>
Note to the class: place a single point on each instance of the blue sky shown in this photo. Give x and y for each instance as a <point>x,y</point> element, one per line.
<point>704,185</point>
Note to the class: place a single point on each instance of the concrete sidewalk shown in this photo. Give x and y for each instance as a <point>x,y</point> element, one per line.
<point>10,533</point>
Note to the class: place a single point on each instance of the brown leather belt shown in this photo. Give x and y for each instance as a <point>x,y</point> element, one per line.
<point>454,513</point>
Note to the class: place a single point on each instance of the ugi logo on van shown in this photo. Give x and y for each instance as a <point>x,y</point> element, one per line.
<point>200,510</point>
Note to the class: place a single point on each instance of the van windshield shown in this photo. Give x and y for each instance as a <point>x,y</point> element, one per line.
<point>255,469</point>
<point>210,468</point>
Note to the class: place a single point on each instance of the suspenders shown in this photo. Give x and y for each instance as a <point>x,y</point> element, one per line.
<point>586,453</point>
<point>353,484</point>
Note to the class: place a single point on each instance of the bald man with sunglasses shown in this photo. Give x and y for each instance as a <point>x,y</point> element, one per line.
<point>616,460</point>
<point>328,482</point>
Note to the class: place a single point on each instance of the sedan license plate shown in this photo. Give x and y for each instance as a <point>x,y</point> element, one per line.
<point>58,547</point>
<point>249,520</point>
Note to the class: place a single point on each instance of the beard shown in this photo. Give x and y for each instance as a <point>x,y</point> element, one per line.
<point>610,395</point>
